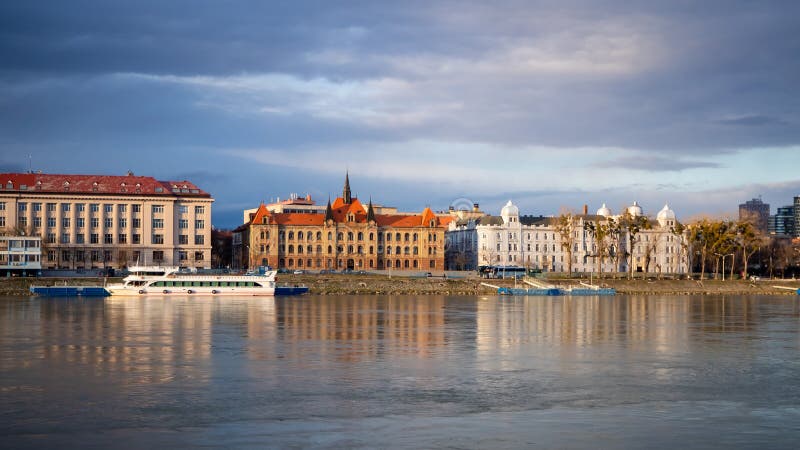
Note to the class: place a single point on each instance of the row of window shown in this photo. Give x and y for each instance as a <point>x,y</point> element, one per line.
<point>205,284</point>
<point>108,238</point>
<point>78,256</point>
<point>341,264</point>
<point>350,249</point>
<point>94,222</point>
<point>310,236</point>
<point>122,208</point>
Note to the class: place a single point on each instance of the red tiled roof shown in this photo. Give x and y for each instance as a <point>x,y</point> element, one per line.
<point>299,219</point>
<point>97,184</point>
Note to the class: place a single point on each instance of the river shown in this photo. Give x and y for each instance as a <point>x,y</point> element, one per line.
<point>400,372</point>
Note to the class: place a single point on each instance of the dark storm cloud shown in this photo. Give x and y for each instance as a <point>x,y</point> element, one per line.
<point>652,163</point>
<point>112,86</point>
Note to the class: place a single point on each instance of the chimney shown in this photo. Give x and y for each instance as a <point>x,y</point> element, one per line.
<point>585,210</point>
<point>451,208</point>
<point>475,207</point>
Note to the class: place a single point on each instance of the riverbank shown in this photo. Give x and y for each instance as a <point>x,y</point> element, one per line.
<point>337,284</point>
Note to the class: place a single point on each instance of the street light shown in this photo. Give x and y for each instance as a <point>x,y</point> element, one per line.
<point>723,262</point>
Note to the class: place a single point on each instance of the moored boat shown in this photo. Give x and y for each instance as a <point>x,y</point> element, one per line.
<point>163,280</point>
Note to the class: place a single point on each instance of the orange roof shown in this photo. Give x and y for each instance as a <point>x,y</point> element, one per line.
<point>299,219</point>
<point>97,184</point>
<point>342,209</point>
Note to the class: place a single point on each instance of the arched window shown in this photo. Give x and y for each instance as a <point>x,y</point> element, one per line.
<point>281,235</point>
<point>397,250</point>
<point>319,235</point>
<point>371,250</point>
<point>416,250</point>
<point>319,249</point>
<point>282,262</point>
<point>397,236</point>
<point>406,237</point>
<point>299,235</point>
<point>360,250</point>
<point>397,264</point>
<point>291,248</point>
<point>349,235</point>
<point>308,263</point>
<point>433,264</point>
<point>360,236</point>
<point>262,234</point>
<point>291,235</point>
<point>309,249</point>
<point>371,236</point>
<point>330,235</point>
<point>340,236</point>
<point>405,264</point>
<point>291,262</point>
<point>299,263</point>
<point>415,264</point>
<point>350,249</point>
<point>388,250</point>
<point>388,237</point>
<point>415,237</point>
<point>371,264</point>
<point>300,249</point>
<point>330,249</point>
<point>406,251</point>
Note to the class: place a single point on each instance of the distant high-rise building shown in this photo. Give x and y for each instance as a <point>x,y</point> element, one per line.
<point>796,229</point>
<point>783,222</point>
<point>757,211</point>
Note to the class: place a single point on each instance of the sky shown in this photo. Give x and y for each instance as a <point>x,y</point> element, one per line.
<point>426,103</point>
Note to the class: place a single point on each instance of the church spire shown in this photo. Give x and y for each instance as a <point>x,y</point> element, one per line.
<point>329,210</point>
<point>370,212</point>
<point>346,196</point>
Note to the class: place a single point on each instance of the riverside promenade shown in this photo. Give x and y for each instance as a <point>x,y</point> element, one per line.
<point>346,284</point>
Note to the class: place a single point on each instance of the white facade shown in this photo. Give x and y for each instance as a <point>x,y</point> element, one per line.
<point>535,243</point>
<point>20,254</point>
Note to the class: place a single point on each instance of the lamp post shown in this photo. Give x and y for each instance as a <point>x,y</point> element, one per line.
<point>723,262</point>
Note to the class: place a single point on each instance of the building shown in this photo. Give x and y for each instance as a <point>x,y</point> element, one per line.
<point>542,243</point>
<point>96,221</point>
<point>783,222</point>
<point>348,236</point>
<point>20,255</point>
<point>756,211</point>
<point>796,227</point>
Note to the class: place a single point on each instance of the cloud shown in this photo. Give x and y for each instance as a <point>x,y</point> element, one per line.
<point>753,120</point>
<point>653,163</point>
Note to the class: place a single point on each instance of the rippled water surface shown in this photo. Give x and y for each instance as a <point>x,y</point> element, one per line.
<point>405,372</point>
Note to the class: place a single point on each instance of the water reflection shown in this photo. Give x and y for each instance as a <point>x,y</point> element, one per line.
<point>199,361</point>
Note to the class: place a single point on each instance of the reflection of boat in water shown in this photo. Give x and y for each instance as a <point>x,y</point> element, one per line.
<point>160,280</point>
<point>539,288</point>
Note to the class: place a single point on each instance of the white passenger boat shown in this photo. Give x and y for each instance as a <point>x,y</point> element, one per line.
<point>161,280</point>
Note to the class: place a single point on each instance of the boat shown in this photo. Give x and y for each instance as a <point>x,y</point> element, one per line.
<point>170,280</point>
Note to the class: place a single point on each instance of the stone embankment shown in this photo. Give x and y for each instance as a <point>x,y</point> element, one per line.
<point>338,284</point>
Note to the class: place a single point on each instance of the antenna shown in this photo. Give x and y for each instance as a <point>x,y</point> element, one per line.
<point>30,163</point>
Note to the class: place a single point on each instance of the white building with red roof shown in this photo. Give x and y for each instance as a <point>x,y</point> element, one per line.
<point>102,221</point>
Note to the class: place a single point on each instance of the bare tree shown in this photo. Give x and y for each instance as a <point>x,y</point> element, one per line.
<point>633,226</point>
<point>565,227</point>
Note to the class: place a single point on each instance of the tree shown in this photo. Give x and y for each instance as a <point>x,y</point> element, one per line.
<point>565,227</point>
<point>633,225</point>
<point>600,231</point>
<point>749,239</point>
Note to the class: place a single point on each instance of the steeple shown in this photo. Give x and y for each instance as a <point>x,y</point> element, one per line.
<point>329,211</point>
<point>346,196</point>
<point>370,212</point>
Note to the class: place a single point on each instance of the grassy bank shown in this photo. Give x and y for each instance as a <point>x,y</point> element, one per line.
<point>337,284</point>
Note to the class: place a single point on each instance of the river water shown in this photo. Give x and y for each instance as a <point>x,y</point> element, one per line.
<point>400,372</point>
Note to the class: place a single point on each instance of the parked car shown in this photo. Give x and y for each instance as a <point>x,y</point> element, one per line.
<point>298,272</point>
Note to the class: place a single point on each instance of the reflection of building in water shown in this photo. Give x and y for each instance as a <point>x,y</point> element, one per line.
<point>359,328</point>
<point>148,337</point>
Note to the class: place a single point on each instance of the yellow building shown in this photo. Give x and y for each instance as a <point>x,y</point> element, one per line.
<point>94,221</point>
<point>347,236</point>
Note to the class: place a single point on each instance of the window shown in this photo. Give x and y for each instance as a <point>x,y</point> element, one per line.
<point>183,209</point>
<point>199,209</point>
<point>122,209</point>
<point>2,221</point>
<point>158,223</point>
<point>65,255</point>
<point>108,222</point>
<point>94,238</point>
<point>136,239</point>
<point>183,255</point>
<point>199,239</point>
<point>158,239</point>
<point>184,224</point>
<point>2,206</point>
<point>122,238</point>
<point>37,207</point>
<point>198,256</point>
<point>37,222</point>
<point>65,222</point>
<point>158,209</point>
<point>108,208</point>
<point>94,256</point>
<point>95,222</point>
<point>23,207</point>
<point>80,239</point>
<point>108,238</point>
<point>137,223</point>
<point>183,239</point>
<point>136,208</point>
<point>22,221</point>
<point>94,207</point>
<point>80,222</point>
<point>65,207</point>
<point>199,224</point>
<point>123,223</point>
<point>80,207</point>
<point>158,255</point>
<point>65,239</point>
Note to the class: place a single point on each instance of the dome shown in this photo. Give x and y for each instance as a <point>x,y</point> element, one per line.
<point>509,210</point>
<point>604,211</point>
<point>665,214</point>
<point>635,210</point>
